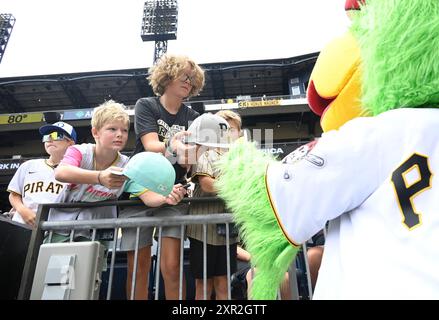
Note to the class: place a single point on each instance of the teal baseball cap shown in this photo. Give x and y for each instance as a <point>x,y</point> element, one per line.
<point>152,171</point>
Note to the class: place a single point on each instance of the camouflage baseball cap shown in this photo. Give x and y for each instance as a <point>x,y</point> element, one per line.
<point>152,171</point>
<point>209,130</point>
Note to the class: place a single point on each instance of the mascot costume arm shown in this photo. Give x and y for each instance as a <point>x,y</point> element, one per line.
<point>247,197</point>
<point>334,83</point>
<point>280,205</point>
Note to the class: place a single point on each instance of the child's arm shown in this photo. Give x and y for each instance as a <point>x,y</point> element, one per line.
<point>70,171</point>
<point>16,191</point>
<point>26,213</point>
<point>204,173</point>
<point>151,142</point>
<point>207,184</point>
<point>152,199</point>
<point>71,174</point>
<point>242,254</point>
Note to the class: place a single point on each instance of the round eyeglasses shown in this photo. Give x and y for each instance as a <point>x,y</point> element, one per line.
<point>185,77</point>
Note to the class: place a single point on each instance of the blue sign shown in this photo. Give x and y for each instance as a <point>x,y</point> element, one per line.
<point>78,114</point>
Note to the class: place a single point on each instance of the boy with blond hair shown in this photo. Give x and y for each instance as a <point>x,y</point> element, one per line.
<point>89,169</point>
<point>86,168</point>
<point>235,122</point>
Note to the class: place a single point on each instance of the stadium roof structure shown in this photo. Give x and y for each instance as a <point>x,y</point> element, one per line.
<point>88,89</point>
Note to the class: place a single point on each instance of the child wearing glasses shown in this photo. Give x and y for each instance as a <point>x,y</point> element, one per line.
<point>34,182</point>
<point>160,123</point>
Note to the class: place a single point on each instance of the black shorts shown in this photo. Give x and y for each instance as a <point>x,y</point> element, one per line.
<point>216,259</point>
<point>318,239</point>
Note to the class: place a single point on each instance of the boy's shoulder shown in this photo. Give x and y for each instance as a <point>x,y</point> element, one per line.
<point>212,154</point>
<point>205,164</point>
<point>192,114</point>
<point>148,101</point>
<point>31,163</point>
<point>84,147</point>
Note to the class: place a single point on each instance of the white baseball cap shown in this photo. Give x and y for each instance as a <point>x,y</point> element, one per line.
<point>59,127</point>
<point>209,130</point>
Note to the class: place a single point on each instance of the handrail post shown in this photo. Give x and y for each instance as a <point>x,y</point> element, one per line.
<point>35,242</point>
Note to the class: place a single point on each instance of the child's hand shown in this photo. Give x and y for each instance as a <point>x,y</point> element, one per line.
<point>186,154</point>
<point>28,216</point>
<point>176,195</point>
<point>179,137</point>
<point>111,180</point>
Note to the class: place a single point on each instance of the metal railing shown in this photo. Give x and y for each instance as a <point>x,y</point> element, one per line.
<point>43,226</point>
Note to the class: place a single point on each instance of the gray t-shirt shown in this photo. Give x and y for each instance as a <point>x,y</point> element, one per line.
<point>151,116</point>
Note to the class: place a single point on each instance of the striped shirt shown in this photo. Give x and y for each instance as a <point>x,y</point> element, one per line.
<point>206,167</point>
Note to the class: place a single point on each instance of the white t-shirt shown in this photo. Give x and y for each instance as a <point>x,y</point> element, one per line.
<point>88,192</point>
<point>374,179</point>
<point>35,182</point>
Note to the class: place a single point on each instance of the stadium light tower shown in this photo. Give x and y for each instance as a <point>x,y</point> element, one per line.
<point>7,22</point>
<point>159,24</point>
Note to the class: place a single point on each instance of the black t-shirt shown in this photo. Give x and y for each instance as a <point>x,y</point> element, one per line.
<point>151,116</point>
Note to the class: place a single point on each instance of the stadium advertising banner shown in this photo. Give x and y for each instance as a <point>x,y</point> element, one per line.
<point>77,114</point>
<point>9,166</point>
<point>17,118</point>
<point>261,103</point>
<point>280,150</point>
<point>38,117</point>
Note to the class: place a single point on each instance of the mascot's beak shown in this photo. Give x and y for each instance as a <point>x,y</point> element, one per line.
<point>334,88</point>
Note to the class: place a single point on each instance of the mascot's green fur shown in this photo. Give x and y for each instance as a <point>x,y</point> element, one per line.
<point>242,186</point>
<point>399,72</point>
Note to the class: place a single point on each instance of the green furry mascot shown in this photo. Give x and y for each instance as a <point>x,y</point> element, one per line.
<point>243,187</point>
<point>372,178</point>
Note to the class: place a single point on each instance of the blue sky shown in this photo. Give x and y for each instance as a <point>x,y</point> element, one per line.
<point>60,36</point>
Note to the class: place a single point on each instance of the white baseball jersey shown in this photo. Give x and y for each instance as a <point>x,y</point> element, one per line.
<point>35,182</point>
<point>374,179</point>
